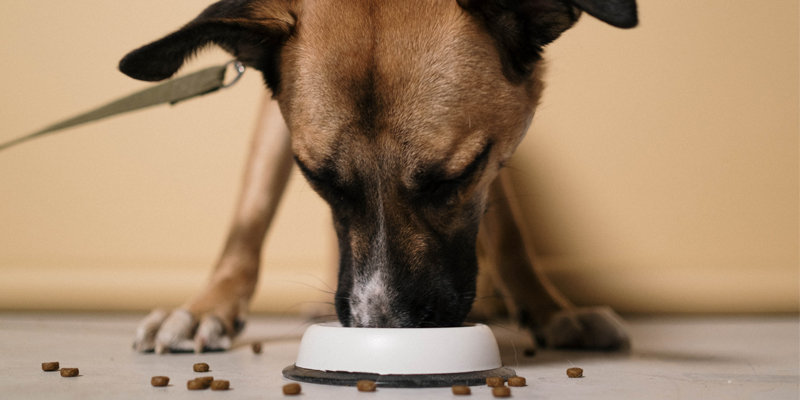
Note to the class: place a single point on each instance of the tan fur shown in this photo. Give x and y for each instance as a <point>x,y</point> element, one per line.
<point>432,66</point>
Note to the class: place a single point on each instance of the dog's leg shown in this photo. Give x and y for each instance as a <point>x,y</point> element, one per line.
<point>210,320</point>
<point>554,321</point>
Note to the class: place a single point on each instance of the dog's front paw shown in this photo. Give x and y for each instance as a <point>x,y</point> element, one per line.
<point>181,332</point>
<point>596,328</point>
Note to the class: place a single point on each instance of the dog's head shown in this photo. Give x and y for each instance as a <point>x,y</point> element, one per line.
<point>401,113</point>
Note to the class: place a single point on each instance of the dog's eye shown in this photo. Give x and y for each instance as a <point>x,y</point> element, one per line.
<point>318,178</point>
<point>442,191</point>
<point>438,189</point>
<point>325,183</point>
<point>331,192</point>
<point>315,178</point>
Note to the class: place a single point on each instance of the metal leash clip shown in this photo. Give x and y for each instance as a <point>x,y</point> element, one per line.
<point>239,68</point>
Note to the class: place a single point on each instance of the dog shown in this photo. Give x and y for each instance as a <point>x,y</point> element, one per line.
<point>401,115</point>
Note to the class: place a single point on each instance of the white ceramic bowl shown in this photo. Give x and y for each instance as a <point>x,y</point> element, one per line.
<point>398,351</point>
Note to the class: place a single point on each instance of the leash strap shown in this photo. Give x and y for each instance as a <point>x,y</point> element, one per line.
<point>173,91</point>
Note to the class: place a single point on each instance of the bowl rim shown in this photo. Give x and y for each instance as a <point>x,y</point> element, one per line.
<point>331,347</point>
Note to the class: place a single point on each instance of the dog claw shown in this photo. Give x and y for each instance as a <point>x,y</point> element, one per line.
<point>144,346</point>
<point>182,346</point>
<point>175,333</point>
<point>146,332</point>
<point>211,335</point>
<point>199,345</point>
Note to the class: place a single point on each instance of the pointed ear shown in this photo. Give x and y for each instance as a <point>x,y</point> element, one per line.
<point>619,13</point>
<point>253,33</point>
<point>522,28</point>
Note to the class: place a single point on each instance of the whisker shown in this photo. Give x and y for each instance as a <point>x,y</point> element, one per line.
<point>323,318</point>
<point>318,280</point>
<point>516,332</point>
<point>304,284</point>
<point>300,303</point>
<point>513,347</point>
<point>492,297</point>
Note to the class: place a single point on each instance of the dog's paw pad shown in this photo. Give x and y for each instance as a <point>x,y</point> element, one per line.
<point>597,328</point>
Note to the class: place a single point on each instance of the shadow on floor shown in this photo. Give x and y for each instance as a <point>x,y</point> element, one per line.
<point>517,349</point>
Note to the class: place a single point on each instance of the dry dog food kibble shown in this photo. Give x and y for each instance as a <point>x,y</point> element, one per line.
<point>52,366</point>
<point>516,381</point>
<point>206,380</point>
<point>461,390</point>
<point>494,381</point>
<point>220,385</point>
<point>291,389</point>
<point>501,391</point>
<point>257,348</point>
<point>201,367</point>
<point>69,372</point>
<point>194,384</point>
<point>574,372</point>
<point>366,386</point>
<point>159,381</point>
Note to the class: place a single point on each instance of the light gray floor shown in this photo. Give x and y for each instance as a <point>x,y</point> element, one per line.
<point>672,358</point>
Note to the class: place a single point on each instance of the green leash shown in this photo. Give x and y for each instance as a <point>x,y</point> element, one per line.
<point>173,91</point>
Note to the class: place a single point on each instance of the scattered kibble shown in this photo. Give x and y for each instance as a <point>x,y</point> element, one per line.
<point>501,391</point>
<point>574,372</point>
<point>461,390</point>
<point>220,385</point>
<point>516,381</point>
<point>366,386</point>
<point>291,389</point>
<point>206,380</point>
<point>69,372</point>
<point>194,384</point>
<point>494,381</point>
<point>159,381</point>
<point>50,366</point>
<point>257,348</point>
<point>200,367</point>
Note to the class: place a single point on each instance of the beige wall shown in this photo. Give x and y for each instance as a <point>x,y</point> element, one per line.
<point>660,174</point>
<point>663,164</point>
